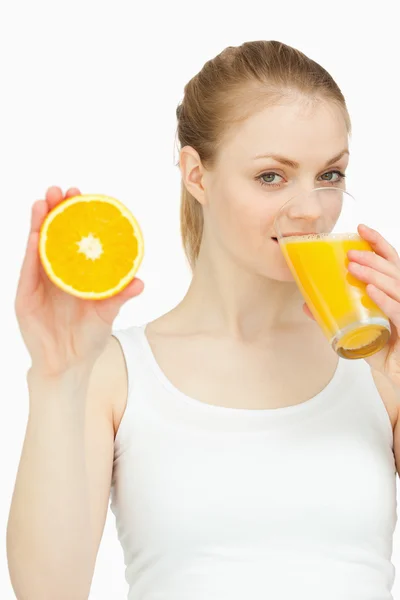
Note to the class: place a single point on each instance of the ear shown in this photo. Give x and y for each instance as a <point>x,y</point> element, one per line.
<point>192,172</point>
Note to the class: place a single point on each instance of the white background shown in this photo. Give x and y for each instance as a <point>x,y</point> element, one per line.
<point>88,98</point>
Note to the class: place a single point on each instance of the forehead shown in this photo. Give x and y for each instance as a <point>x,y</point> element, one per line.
<point>305,133</point>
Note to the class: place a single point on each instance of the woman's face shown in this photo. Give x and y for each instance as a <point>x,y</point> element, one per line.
<point>247,187</point>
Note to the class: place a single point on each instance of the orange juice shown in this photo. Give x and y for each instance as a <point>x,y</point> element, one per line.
<point>352,322</point>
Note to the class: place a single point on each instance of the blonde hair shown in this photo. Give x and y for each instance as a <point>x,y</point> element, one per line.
<point>227,90</point>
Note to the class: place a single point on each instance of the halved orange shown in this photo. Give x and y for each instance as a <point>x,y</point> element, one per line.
<point>91,246</point>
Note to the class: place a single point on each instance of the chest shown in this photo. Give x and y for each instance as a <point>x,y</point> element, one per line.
<point>272,373</point>
<point>324,481</point>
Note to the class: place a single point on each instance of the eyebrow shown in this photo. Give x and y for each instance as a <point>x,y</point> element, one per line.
<point>295,165</point>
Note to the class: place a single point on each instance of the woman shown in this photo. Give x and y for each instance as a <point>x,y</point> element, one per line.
<point>244,459</point>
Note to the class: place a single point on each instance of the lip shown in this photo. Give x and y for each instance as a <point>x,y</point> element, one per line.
<point>295,233</point>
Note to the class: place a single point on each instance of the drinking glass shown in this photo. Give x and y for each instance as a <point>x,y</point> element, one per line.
<point>315,230</point>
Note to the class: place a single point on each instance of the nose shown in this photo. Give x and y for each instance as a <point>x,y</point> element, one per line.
<point>306,207</point>
<point>313,211</point>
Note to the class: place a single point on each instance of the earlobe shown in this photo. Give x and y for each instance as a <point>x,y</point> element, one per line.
<point>192,172</point>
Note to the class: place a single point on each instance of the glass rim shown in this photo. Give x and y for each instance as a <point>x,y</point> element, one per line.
<point>280,211</point>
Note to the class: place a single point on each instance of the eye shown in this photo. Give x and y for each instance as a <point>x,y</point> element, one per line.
<point>263,179</point>
<point>340,175</point>
<point>266,179</point>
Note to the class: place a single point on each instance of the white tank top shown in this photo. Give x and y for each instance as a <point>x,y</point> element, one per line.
<point>215,503</point>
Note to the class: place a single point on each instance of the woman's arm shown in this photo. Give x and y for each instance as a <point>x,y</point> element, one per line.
<point>62,487</point>
<point>391,398</point>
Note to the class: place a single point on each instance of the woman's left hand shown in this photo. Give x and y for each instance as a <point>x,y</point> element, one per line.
<point>380,270</point>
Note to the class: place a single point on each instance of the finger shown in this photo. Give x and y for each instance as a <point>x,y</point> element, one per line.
<point>386,284</point>
<point>109,308</point>
<point>133,289</point>
<point>54,196</point>
<point>29,276</point>
<point>378,243</point>
<point>39,212</point>
<point>30,270</point>
<point>390,307</point>
<point>72,192</point>
<point>370,259</point>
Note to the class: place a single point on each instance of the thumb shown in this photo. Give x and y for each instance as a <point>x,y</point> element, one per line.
<point>308,312</point>
<point>109,308</point>
<point>134,288</point>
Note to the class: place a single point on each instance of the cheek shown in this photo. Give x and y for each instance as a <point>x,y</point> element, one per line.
<point>334,216</point>
<point>243,210</point>
<point>243,223</point>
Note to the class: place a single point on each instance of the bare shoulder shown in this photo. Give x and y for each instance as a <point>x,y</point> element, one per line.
<point>108,387</point>
<point>106,383</point>
<point>390,397</point>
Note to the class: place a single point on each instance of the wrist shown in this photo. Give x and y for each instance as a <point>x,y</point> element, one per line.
<point>69,379</point>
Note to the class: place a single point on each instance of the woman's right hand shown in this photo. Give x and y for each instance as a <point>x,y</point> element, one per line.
<point>61,331</point>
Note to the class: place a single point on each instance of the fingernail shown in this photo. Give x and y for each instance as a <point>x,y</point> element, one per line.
<point>369,228</point>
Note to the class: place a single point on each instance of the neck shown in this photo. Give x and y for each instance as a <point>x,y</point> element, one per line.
<point>226,297</point>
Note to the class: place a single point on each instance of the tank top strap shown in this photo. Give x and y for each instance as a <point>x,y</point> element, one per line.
<point>367,401</point>
<point>350,395</point>
<point>130,341</point>
<point>132,348</point>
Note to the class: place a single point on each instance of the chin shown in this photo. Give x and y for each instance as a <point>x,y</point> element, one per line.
<point>275,272</point>
<point>276,268</point>
<point>284,274</point>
